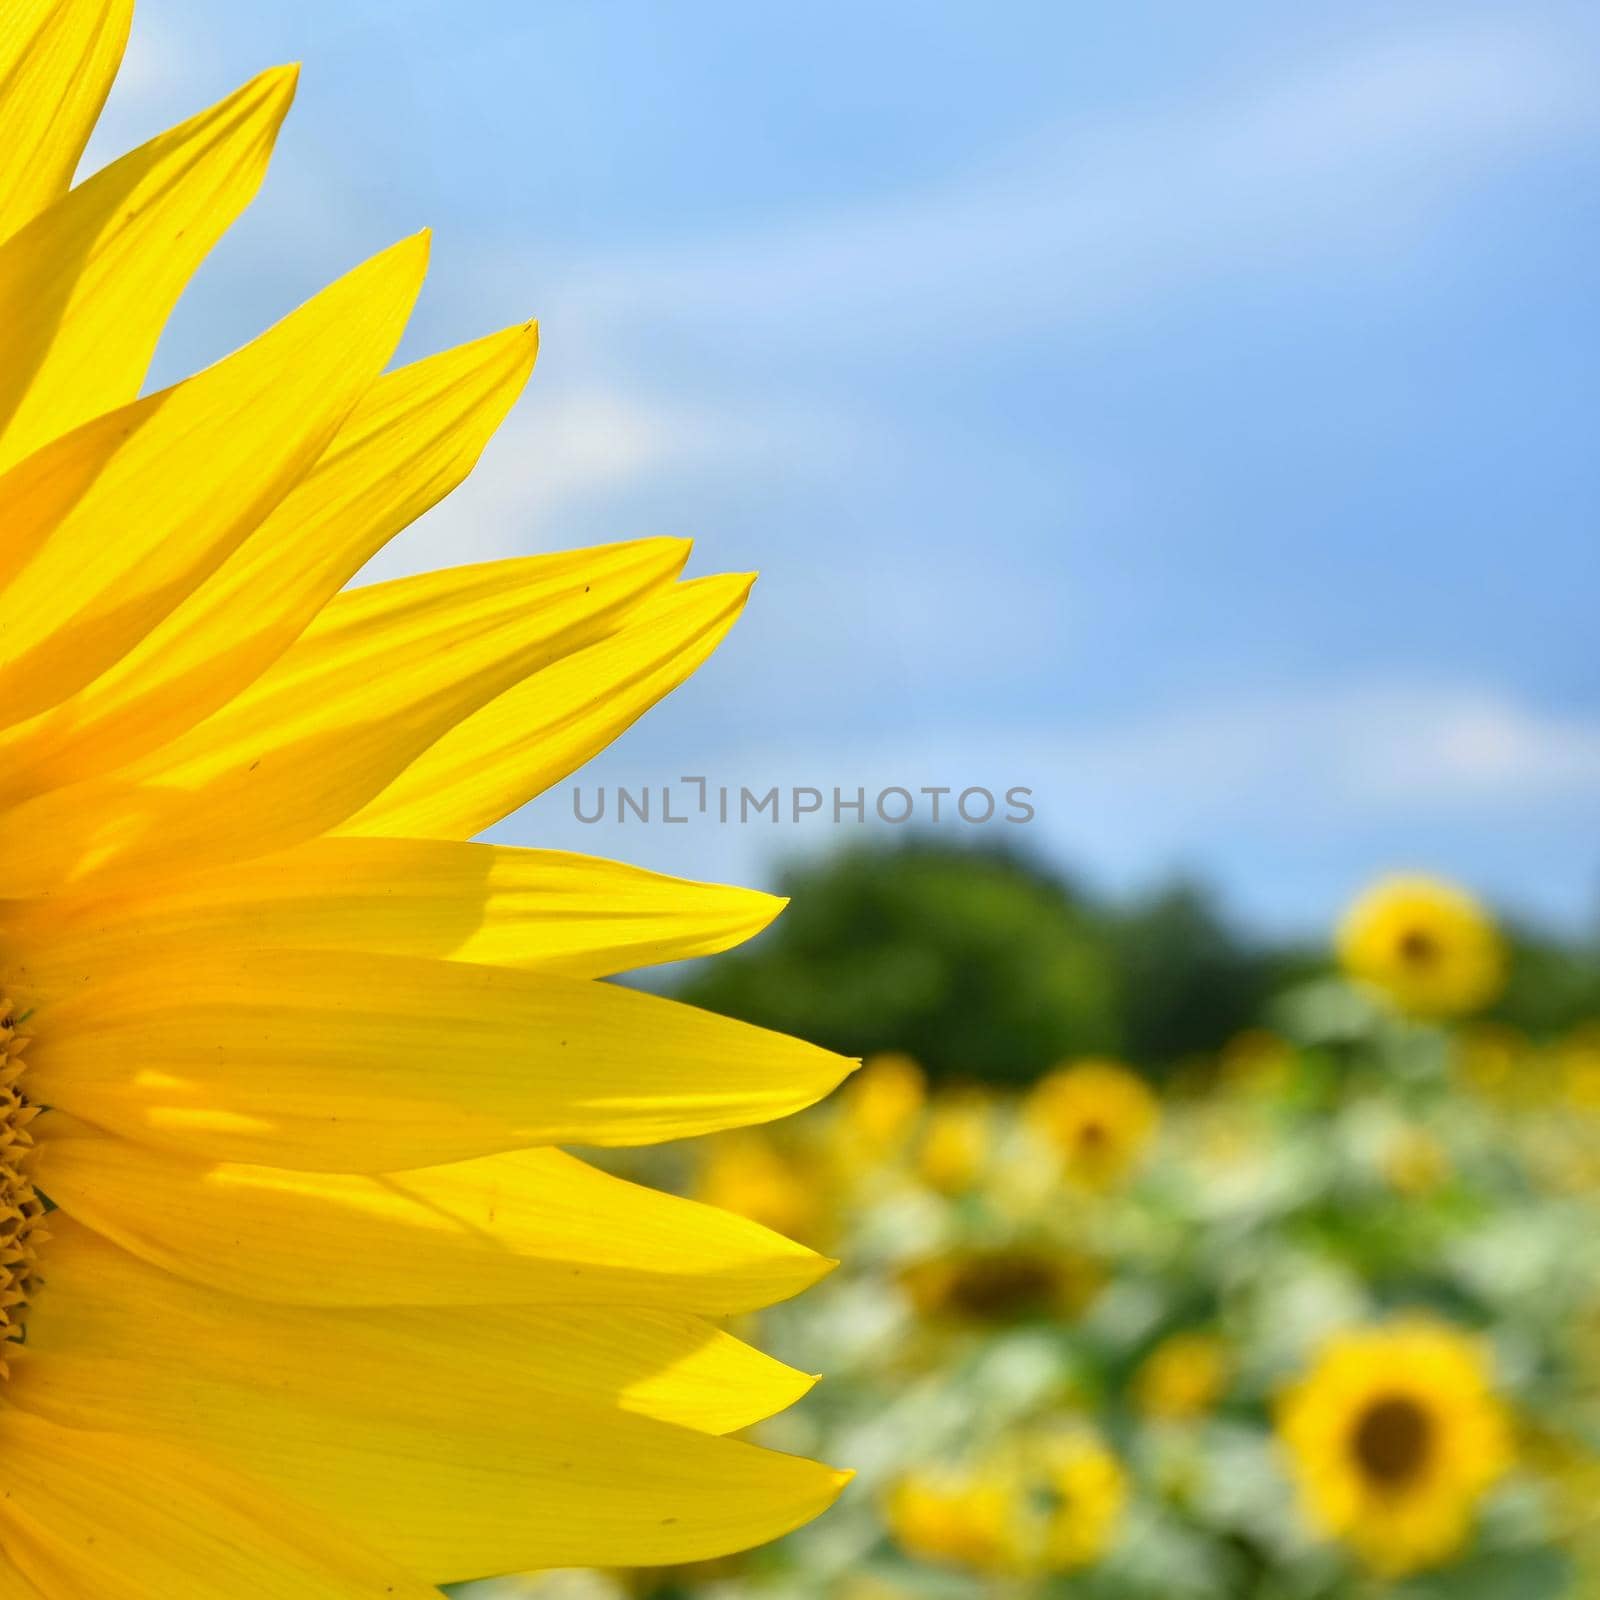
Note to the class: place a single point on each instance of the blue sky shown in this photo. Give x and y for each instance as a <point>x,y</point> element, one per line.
<point>1186,411</point>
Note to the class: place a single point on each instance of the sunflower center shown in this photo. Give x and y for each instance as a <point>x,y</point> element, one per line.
<point>1392,1440</point>
<point>1418,948</point>
<point>1094,1135</point>
<point>1003,1286</point>
<point>21,1209</point>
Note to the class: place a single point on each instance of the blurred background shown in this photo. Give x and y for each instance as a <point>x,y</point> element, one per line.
<point>1185,414</point>
<point>1184,411</point>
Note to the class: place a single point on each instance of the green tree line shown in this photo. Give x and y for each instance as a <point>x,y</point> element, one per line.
<point>984,963</point>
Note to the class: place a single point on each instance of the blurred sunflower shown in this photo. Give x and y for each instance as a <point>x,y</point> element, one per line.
<point>746,1173</point>
<point>961,1519</point>
<point>1045,1504</point>
<point>1426,945</point>
<point>1395,1435</point>
<point>319,1311</point>
<point>1098,1116</point>
<point>1003,1284</point>
<point>1183,1377</point>
<point>882,1102</point>
<point>957,1137</point>
<point>1414,1163</point>
<point>1085,1492</point>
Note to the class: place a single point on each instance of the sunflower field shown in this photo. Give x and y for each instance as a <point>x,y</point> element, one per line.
<point>1313,1317</point>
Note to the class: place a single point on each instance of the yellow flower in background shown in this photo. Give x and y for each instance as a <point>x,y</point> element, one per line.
<point>1257,1061</point>
<point>1003,1284</point>
<point>1490,1058</point>
<point>1098,1116</point>
<point>956,1142</point>
<point>1414,1163</point>
<point>955,1518</point>
<point>1395,1435</point>
<point>1183,1377</point>
<point>320,1310</point>
<point>880,1105</point>
<point>1426,945</point>
<point>1085,1493</point>
<point>1037,1506</point>
<point>744,1172</point>
<point>1578,1067</point>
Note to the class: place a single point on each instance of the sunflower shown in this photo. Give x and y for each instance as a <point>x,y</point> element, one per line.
<point>961,1519</point>
<point>1395,1435</point>
<point>1001,1284</point>
<point>746,1173</point>
<point>1427,946</point>
<point>883,1101</point>
<point>1183,1377</point>
<point>1098,1116</point>
<point>957,1141</point>
<point>1043,1504</point>
<point>300,1297</point>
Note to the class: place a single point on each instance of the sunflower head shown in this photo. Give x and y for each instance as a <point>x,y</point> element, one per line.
<point>745,1171</point>
<point>957,1137</point>
<point>1043,1505</point>
<point>1426,945</point>
<point>1395,1435</point>
<point>1257,1063</point>
<point>882,1102</point>
<point>1084,1494</point>
<point>955,1518</point>
<point>1578,1067</point>
<point>1183,1377</point>
<point>1004,1284</point>
<point>1414,1163</point>
<point>1098,1116</point>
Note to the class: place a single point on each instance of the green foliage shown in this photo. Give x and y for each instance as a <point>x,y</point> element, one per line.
<point>975,962</point>
<point>982,964</point>
<point>1550,986</point>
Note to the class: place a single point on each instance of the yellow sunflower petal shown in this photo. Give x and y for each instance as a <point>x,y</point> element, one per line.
<point>116,1343</point>
<point>109,528</point>
<point>344,1061</point>
<point>382,674</point>
<point>13,1586</point>
<point>57,60</point>
<point>534,1227</point>
<point>413,437</point>
<point>93,1513</point>
<point>586,1487</point>
<point>86,289</point>
<point>549,725</point>
<point>535,909</point>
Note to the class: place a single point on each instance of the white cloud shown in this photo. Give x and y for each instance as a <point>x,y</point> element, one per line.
<point>570,462</point>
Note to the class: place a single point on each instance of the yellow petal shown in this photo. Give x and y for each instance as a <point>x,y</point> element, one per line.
<point>342,1061</point>
<point>549,725</point>
<point>535,1227</point>
<point>86,288</point>
<point>468,1500</point>
<point>116,1343</point>
<point>383,672</point>
<point>107,529</point>
<point>57,60</point>
<point>93,1513</point>
<point>414,436</point>
<point>535,909</point>
<point>13,1586</point>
